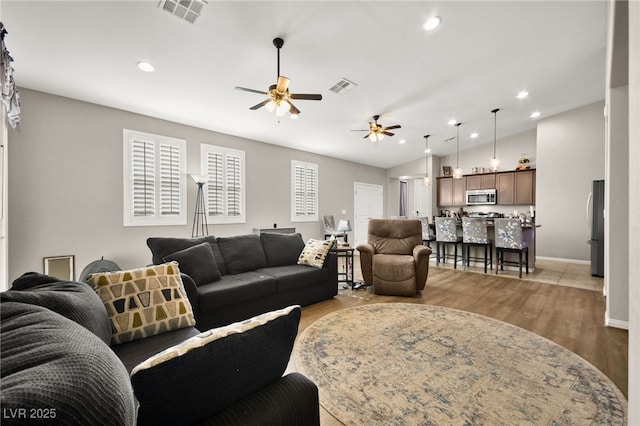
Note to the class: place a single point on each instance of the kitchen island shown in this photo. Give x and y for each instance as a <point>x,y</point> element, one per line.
<point>528,237</point>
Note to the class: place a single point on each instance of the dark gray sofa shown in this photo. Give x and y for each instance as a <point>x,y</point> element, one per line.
<point>228,279</point>
<point>58,368</point>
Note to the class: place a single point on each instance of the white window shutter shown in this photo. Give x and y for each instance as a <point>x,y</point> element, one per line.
<point>215,185</point>
<point>170,195</point>
<point>143,171</point>
<point>225,170</point>
<point>311,187</point>
<point>154,179</point>
<point>304,191</point>
<point>234,185</point>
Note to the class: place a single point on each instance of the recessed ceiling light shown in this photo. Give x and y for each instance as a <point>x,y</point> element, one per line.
<point>473,135</point>
<point>431,23</point>
<point>401,141</point>
<point>535,114</point>
<point>146,66</point>
<point>452,122</point>
<point>523,94</point>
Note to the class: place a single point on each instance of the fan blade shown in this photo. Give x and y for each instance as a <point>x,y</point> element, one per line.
<point>397,126</point>
<point>388,133</point>
<point>306,96</point>
<point>261,104</point>
<point>367,135</point>
<point>293,109</point>
<point>244,89</point>
<point>358,130</point>
<point>283,84</point>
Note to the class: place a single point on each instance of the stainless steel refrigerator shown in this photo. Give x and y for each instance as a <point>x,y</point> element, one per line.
<point>595,215</point>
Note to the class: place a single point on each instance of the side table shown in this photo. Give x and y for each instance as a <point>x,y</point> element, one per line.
<point>345,252</point>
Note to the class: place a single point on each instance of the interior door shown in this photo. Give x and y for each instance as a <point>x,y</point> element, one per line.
<point>368,204</point>
<point>421,199</point>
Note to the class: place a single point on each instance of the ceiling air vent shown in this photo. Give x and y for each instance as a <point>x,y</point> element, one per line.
<point>343,86</point>
<point>186,10</point>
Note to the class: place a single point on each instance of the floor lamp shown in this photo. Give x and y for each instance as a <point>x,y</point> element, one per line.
<point>200,227</point>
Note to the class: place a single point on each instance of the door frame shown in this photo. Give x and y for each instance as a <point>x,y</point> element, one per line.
<point>365,186</point>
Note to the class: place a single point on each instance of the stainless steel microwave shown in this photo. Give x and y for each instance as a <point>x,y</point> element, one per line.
<point>476,197</point>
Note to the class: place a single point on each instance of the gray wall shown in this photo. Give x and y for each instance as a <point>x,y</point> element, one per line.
<point>65,184</point>
<point>570,155</point>
<point>617,212</point>
<point>634,207</point>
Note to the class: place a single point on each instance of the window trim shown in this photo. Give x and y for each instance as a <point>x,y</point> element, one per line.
<point>154,219</point>
<point>313,217</point>
<point>205,149</point>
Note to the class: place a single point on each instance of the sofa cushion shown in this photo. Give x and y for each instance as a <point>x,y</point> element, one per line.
<point>198,262</point>
<point>191,381</point>
<point>144,302</point>
<point>242,253</point>
<point>164,246</point>
<point>293,277</point>
<point>282,249</point>
<point>234,289</point>
<point>74,300</point>
<point>133,353</point>
<point>59,368</point>
<point>315,251</point>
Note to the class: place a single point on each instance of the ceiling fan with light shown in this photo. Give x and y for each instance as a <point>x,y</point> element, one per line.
<point>278,96</point>
<point>376,131</point>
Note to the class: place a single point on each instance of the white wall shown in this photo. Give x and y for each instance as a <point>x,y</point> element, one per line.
<point>570,155</point>
<point>65,184</point>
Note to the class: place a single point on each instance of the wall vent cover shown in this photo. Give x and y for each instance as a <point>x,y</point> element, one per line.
<point>185,10</point>
<point>343,86</point>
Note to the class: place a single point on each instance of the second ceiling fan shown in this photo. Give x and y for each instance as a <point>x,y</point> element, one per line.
<point>376,131</point>
<point>279,97</point>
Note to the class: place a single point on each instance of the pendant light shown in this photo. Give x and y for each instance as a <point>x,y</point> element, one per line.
<point>426,181</point>
<point>457,173</point>
<point>494,162</point>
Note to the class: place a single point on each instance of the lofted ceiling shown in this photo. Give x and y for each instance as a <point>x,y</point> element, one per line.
<point>479,58</point>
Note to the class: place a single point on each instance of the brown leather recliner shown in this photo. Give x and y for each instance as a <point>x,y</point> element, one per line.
<point>394,260</point>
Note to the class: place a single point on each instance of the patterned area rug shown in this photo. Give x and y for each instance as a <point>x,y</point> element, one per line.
<point>410,364</point>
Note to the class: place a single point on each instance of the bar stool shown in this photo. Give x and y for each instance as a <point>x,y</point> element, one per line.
<point>474,233</point>
<point>509,240</point>
<point>446,234</point>
<point>427,235</point>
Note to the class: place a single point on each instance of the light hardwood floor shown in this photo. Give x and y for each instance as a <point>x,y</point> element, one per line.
<point>559,301</point>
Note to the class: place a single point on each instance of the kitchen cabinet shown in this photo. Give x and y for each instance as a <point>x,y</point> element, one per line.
<point>504,188</point>
<point>451,192</point>
<point>482,181</point>
<point>459,192</point>
<point>525,187</point>
<point>512,188</point>
<point>517,187</point>
<point>445,192</point>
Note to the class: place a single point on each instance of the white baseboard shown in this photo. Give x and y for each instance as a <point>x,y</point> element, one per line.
<point>624,325</point>
<point>559,259</point>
